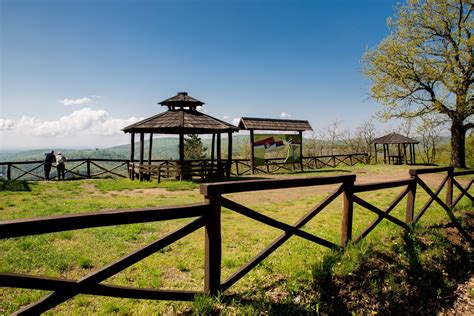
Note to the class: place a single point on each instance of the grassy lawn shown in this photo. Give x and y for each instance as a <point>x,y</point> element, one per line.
<point>279,278</point>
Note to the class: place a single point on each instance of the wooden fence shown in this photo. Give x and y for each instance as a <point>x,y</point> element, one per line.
<point>208,215</point>
<point>89,168</point>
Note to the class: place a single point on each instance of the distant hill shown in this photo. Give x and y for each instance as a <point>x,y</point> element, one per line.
<point>163,148</point>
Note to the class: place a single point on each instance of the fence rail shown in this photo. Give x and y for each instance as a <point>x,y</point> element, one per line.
<point>89,168</point>
<point>208,215</point>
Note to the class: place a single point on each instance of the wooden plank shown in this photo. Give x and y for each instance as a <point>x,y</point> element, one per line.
<point>25,172</point>
<point>111,171</point>
<point>96,277</point>
<point>382,185</point>
<point>449,188</point>
<point>464,191</point>
<point>414,172</point>
<point>50,224</point>
<point>252,153</point>
<point>270,184</point>
<point>347,213</point>
<point>411,198</point>
<point>56,284</point>
<point>140,158</point>
<point>279,241</point>
<point>213,246</point>
<point>241,209</point>
<point>375,222</point>
<point>379,212</point>
<point>428,203</point>
<point>463,173</point>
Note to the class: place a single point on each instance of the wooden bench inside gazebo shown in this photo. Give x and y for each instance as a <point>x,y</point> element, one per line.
<point>182,118</point>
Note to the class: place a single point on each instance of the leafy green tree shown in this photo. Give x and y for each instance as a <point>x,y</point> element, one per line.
<point>194,148</point>
<point>426,66</point>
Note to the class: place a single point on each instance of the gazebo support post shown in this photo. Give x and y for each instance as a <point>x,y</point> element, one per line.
<point>229,156</point>
<point>388,153</point>
<point>181,156</point>
<point>142,148</point>
<point>375,152</point>
<point>405,153</point>
<point>150,148</point>
<point>219,160</point>
<point>213,145</point>
<point>252,159</point>
<point>132,157</point>
<point>384,154</point>
<point>301,150</point>
<point>414,155</point>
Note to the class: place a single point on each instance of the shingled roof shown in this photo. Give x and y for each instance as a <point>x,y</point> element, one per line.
<point>182,99</point>
<point>266,124</point>
<point>395,138</point>
<point>181,121</point>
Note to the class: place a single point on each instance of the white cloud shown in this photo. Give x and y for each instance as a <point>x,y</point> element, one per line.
<point>284,115</point>
<point>6,125</point>
<point>235,121</point>
<point>79,101</point>
<point>81,122</point>
<point>201,109</point>
<point>226,117</point>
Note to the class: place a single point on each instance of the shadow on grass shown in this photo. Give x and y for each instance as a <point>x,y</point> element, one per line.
<point>14,185</point>
<point>416,274</point>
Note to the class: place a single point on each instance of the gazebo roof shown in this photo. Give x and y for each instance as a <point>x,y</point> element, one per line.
<point>395,138</point>
<point>182,99</point>
<point>187,121</point>
<point>266,124</point>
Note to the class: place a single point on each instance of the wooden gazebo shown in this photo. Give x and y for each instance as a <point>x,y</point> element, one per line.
<point>267,124</point>
<point>402,143</point>
<point>181,118</point>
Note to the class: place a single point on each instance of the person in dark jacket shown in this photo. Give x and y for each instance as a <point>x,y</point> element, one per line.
<point>48,162</point>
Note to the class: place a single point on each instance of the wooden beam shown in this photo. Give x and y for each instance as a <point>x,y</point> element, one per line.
<point>219,158</point>
<point>142,148</point>
<point>252,159</point>
<point>213,246</point>
<point>375,149</point>
<point>229,155</point>
<point>132,156</point>
<point>301,150</point>
<point>150,149</point>
<point>181,155</point>
<point>213,145</point>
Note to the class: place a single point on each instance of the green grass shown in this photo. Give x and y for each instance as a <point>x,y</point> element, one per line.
<point>284,275</point>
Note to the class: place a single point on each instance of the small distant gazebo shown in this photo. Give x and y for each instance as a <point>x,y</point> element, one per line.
<point>402,142</point>
<point>181,118</point>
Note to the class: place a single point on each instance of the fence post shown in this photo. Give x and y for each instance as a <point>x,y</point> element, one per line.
<point>212,277</point>
<point>9,171</point>
<point>347,212</point>
<point>449,187</point>
<point>411,196</point>
<point>88,168</point>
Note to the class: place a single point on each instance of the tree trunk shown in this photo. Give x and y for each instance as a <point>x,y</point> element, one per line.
<point>458,144</point>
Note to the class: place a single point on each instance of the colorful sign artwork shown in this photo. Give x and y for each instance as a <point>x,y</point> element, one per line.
<point>276,146</point>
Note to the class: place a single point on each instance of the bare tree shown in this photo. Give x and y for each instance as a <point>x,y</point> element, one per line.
<point>430,130</point>
<point>313,146</point>
<point>333,134</point>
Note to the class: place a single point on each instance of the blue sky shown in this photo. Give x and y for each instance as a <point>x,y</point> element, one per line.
<point>74,72</point>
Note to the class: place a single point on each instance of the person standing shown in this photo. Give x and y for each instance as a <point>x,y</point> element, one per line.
<point>48,162</point>
<point>60,165</point>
